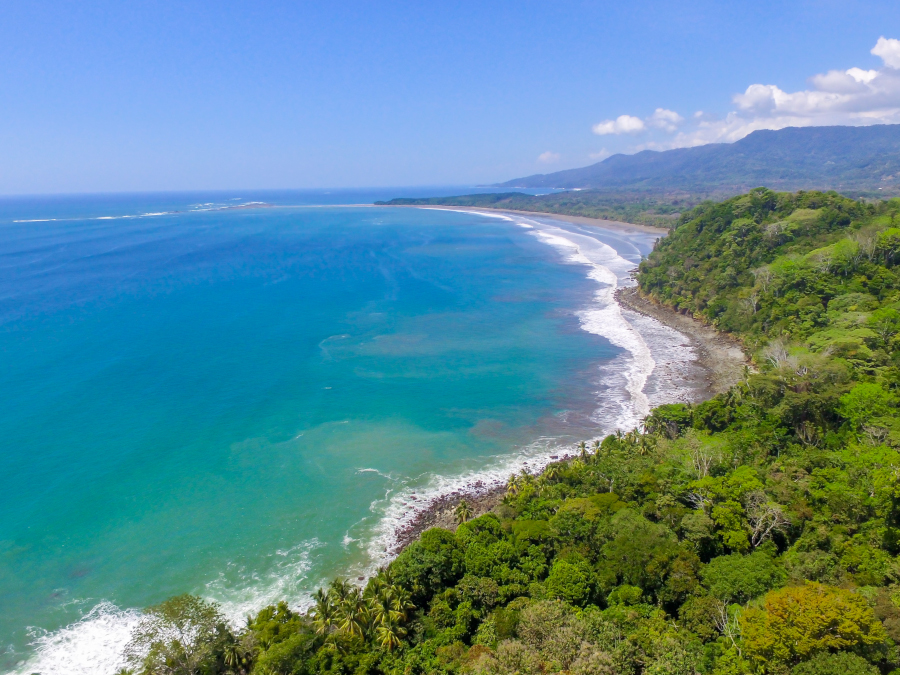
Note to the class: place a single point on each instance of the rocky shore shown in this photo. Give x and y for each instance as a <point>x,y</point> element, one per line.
<point>441,511</point>
<point>720,356</point>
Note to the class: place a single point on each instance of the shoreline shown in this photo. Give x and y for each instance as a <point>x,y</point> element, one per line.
<point>578,220</point>
<point>720,355</point>
<point>720,360</point>
<point>440,512</point>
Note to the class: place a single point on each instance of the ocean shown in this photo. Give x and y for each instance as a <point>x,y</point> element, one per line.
<point>204,394</point>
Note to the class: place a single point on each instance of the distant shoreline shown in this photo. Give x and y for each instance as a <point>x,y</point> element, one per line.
<point>578,220</point>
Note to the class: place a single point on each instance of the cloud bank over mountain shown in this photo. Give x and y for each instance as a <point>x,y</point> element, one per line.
<point>855,96</point>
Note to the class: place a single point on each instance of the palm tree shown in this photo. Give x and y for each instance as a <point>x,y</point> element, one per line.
<point>340,590</point>
<point>513,485</point>
<point>552,471</point>
<point>390,634</point>
<point>645,444</point>
<point>374,587</point>
<point>380,606</point>
<point>385,574</point>
<point>354,614</point>
<point>234,655</point>
<point>324,612</point>
<point>402,602</point>
<point>596,448</point>
<point>463,512</point>
<point>582,450</point>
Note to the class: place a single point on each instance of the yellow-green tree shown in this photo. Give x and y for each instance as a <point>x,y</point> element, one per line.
<point>797,622</point>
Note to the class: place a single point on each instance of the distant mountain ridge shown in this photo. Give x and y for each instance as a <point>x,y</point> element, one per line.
<point>830,158</point>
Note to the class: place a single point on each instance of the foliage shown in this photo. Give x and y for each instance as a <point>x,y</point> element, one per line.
<point>843,663</point>
<point>178,637</point>
<point>739,578</point>
<point>797,622</point>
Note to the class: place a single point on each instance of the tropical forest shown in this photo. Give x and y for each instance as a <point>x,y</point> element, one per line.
<point>756,532</point>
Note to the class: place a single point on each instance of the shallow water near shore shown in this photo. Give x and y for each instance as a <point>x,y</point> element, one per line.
<point>240,403</point>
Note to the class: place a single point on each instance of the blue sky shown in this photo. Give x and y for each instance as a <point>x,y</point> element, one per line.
<point>113,96</point>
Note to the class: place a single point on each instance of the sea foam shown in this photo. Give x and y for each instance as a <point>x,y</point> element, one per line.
<point>93,645</point>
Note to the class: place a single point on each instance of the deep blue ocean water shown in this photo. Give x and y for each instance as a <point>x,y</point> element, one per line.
<point>233,402</point>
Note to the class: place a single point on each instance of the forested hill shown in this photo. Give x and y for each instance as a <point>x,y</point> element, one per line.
<point>847,159</point>
<point>757,532</point>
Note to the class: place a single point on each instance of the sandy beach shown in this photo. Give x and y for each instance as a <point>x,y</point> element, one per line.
<point>579,220</point>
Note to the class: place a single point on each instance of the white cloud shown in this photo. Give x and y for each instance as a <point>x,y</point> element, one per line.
<point>889,51</point>
<point>667,120</point>
<point>623,124</point>
<point>548,157</point>
<point>855,96</point>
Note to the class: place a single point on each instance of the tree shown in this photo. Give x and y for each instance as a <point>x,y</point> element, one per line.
<point>797,622</point>
<point>582,450</point>
<point>639,552</point>
<point>235,656</point>
<point>571,581</point>
<point>764,516</point>
<point>353,615</point>
<point>324,612</point>
<point>176,637</point>
<point>463,512</point>
<point>886,324</point>
<point>552,471</point>
<point>389,634</point>
<point>429,564</point>
<point>864,402</point>
<point>739,578</point>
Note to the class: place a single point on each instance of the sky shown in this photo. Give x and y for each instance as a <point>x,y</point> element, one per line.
<point>144,95</point>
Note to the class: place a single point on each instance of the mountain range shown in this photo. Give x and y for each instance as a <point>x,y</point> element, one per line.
<point>846,159</point>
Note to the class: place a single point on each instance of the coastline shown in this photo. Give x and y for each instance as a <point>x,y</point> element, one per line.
<point>578,220</point>
<point>440,512</point>
<point>720,362</point>
<point>719,355</point>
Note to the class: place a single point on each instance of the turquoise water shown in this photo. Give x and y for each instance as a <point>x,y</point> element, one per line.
<point>229,402</point>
